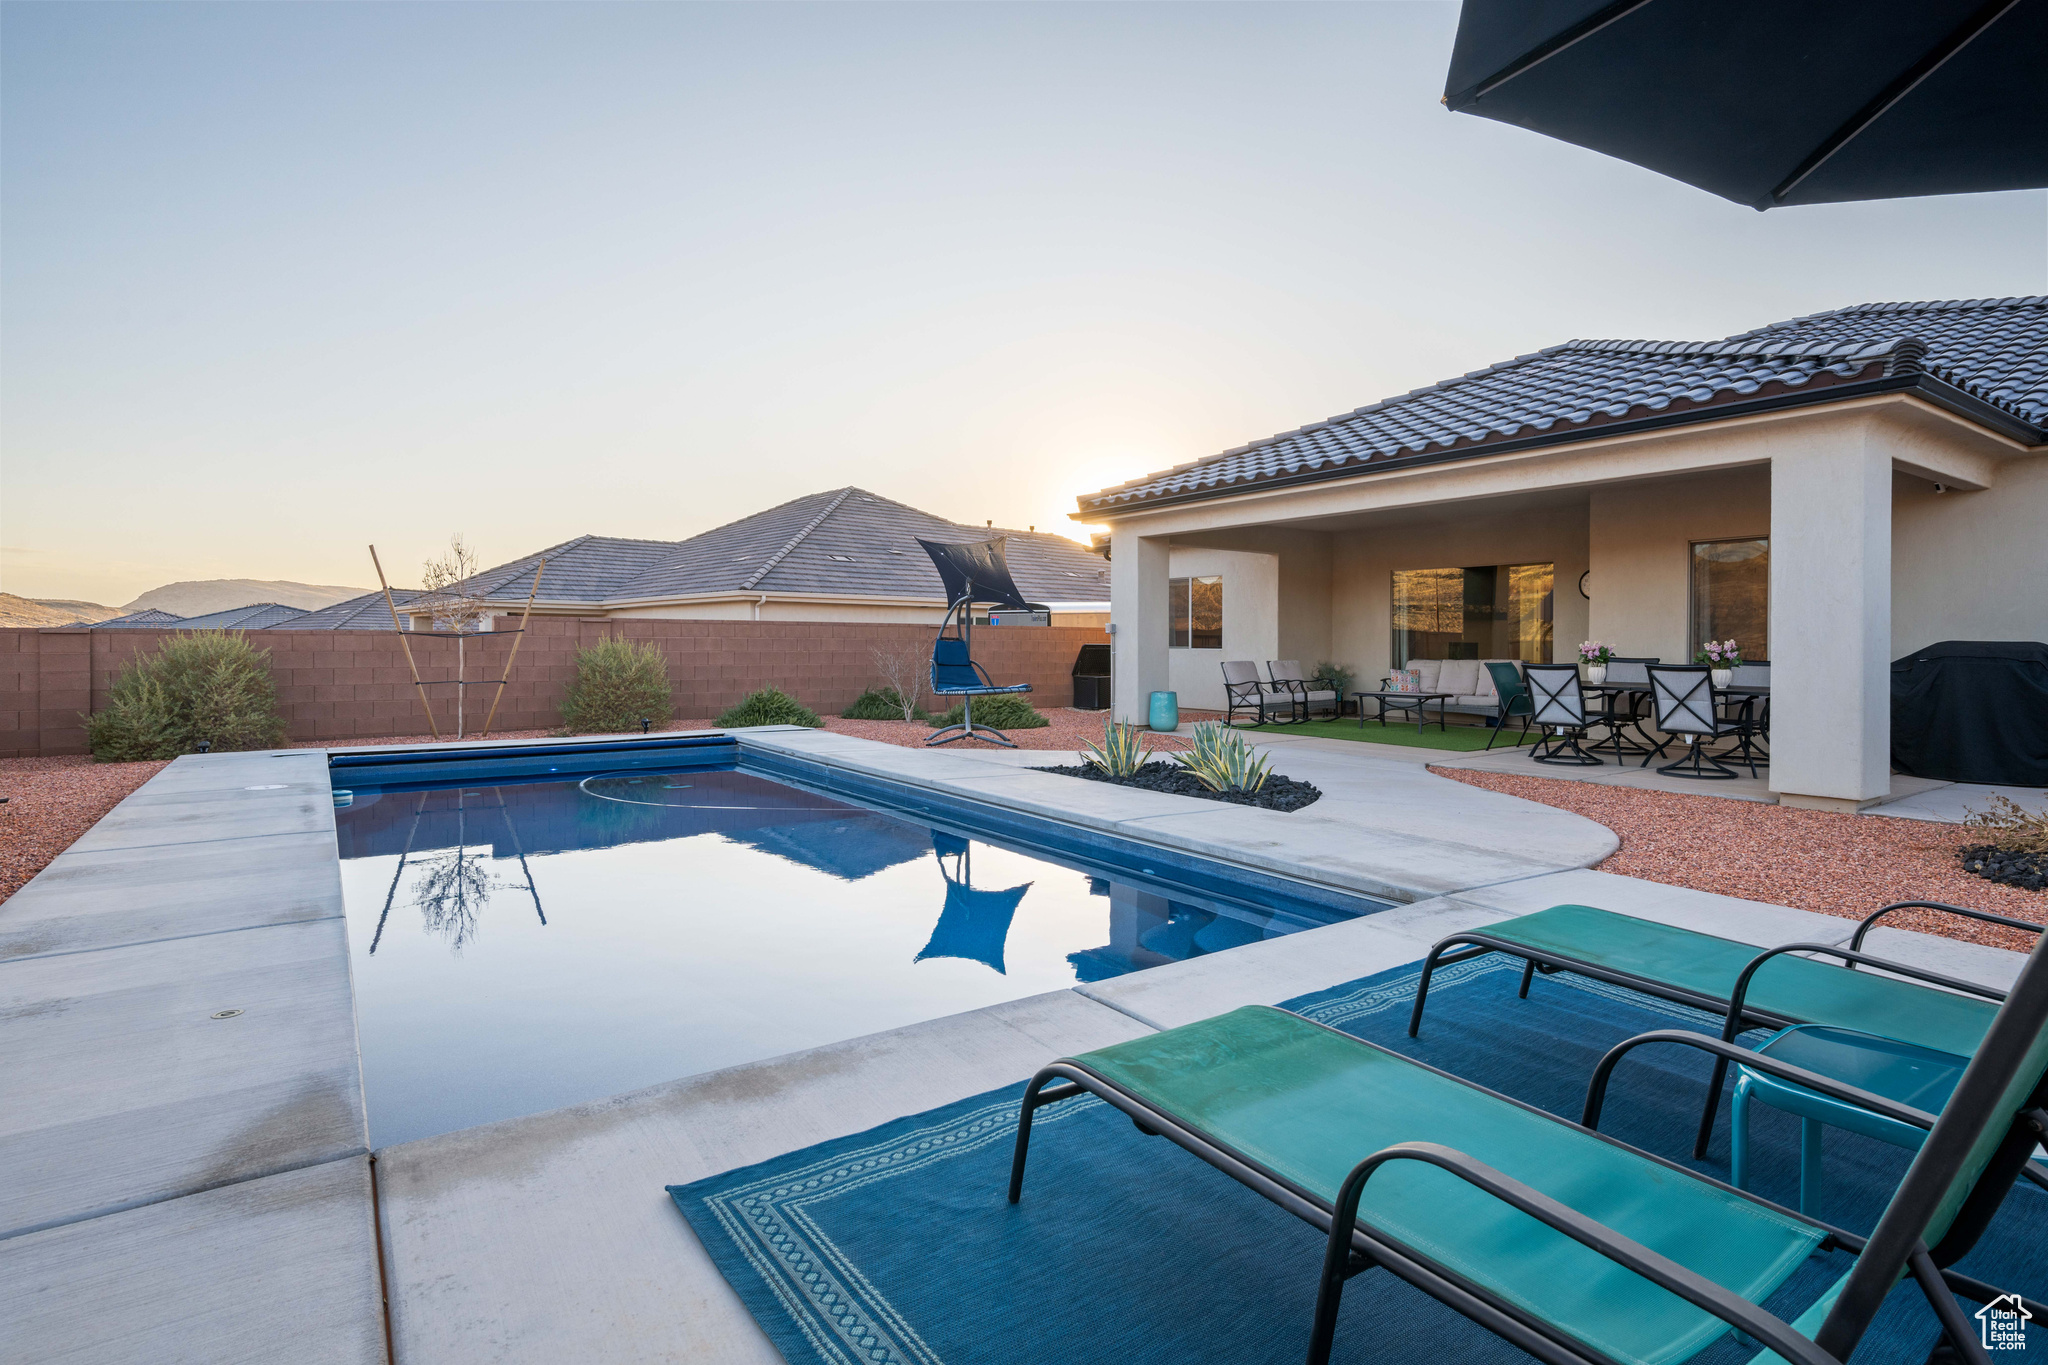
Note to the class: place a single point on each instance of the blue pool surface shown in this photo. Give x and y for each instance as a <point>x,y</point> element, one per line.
<point>519,944</point>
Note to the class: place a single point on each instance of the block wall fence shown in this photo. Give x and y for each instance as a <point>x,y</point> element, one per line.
<point>353,684</point>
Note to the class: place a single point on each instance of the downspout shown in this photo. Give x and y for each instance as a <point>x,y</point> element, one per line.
<point>757,605</point>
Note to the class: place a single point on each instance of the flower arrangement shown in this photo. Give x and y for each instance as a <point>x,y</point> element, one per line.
<point>1596,652</point>
<point>1719,654</point>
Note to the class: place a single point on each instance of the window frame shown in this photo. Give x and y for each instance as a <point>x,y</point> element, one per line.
<point>1180,611</point>
<point>1694,627</point>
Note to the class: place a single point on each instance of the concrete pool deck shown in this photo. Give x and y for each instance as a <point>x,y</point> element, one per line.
<point>193,1187</point>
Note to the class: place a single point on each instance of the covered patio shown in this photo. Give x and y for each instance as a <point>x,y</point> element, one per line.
<point>1828,500</point>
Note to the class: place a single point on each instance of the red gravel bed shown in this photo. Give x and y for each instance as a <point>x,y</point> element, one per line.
<point>1844,865</point>
<point>50,802</point>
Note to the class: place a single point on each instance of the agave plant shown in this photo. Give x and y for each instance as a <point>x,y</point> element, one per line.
<point>1121,752</point>
<point>1223,762</point>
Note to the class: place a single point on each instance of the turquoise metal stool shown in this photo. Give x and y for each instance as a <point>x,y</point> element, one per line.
<point>1916,1076</point>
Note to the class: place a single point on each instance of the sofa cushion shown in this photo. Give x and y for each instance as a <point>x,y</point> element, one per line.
<point>1425,671</point>
<point>1460,676</point>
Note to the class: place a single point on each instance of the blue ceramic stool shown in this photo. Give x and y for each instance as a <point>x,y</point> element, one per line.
<point>1916,1076</point>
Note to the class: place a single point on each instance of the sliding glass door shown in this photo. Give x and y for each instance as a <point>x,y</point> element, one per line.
<point>1496,611</point>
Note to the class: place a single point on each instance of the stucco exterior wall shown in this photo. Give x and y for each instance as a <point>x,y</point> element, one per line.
<point>1639,545</point>
<point>1363,565</point>
<point>1252,598</point>
<point>1971,565</point>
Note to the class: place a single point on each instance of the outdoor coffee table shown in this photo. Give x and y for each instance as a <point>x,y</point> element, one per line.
<point>1418,702</point>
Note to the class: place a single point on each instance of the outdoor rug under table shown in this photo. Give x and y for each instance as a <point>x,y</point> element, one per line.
<point>896,1246</point>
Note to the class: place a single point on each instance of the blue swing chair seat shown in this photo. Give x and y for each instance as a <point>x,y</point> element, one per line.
<point>954,674</point>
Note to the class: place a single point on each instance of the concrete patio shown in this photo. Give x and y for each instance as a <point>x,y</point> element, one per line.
<point>195,1186</point>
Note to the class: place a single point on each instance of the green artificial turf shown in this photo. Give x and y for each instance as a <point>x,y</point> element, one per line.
<point>1458,739</point>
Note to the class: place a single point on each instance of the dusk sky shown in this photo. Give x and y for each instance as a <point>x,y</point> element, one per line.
<point>282,280</point>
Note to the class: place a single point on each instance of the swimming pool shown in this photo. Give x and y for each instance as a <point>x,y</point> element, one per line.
<point>535,928</point>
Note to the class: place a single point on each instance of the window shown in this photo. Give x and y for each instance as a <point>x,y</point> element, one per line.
<point>1194,612</point>
<point>1731,595</point>
<point>1497,611</point>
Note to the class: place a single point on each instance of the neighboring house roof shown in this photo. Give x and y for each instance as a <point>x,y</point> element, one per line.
<point>1986,358</point>
<point>148,619</point>
<point>258,616</point>
<point>846,543</point>
<point>367,612</point>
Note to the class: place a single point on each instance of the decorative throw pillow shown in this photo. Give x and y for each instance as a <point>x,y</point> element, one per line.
<point>1404,680</point>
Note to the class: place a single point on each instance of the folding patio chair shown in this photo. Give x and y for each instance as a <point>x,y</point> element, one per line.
<point>1562,1241</point>
<point>1725,977</point>
<point>1514,699</point>
<point>1286,675</point>
<point>1243,689</point>
<point>1559,707</point>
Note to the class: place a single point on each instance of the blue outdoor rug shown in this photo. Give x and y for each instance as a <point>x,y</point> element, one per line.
<point>897,1247</point>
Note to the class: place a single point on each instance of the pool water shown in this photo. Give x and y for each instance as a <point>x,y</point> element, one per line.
<point>525,946</point>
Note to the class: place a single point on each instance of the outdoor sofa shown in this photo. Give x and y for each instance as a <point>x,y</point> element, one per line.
<point>1469,681</point>
<point>1559,1239</point>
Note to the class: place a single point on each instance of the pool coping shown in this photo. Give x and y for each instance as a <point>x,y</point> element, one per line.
<point>279,1209</point>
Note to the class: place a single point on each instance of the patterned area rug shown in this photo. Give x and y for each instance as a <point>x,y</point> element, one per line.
<point>896,1246</point>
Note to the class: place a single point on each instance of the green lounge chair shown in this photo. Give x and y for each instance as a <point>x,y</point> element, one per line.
<point>1727,978</point>
<point>1562,1241</point>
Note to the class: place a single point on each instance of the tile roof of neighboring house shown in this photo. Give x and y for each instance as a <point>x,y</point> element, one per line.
<point>150,618</point>
<point>259,616</point>
<point>843,543</point>
<point>1985,357</point>
<point>367,612</point>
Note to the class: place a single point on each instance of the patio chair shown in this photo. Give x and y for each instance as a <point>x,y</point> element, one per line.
<point>1684,697</point>
<point>972,572</point>
<point>1722,977</point>
<point>1514,699</point>
<point>1244,690</point>
<point>1286,675</point>
<point>1623,711</point>
<point>1562,1241</point>
<point>1559,707</point>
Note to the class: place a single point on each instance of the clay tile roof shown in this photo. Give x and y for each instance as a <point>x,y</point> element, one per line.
<point>1993,352</point>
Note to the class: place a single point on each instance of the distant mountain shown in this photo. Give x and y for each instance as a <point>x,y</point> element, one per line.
<point>23,611</point>
<point>218,594</point>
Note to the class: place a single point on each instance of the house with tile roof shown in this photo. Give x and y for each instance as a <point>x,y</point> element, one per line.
<point>842,555</point>
<point>1832,491</point>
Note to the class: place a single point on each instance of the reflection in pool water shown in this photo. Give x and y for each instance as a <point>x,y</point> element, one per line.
<point>522,947</point>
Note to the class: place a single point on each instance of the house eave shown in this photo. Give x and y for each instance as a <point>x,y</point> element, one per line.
<point>1938,392</point>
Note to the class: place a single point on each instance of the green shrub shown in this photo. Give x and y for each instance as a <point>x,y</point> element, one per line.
<point>882,703</point>
<point>770,706</point>
<point>997,713</point>
<point>208,685</point>
<point>618,684</point>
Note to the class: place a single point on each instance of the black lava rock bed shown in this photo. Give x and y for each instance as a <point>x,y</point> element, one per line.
<point>2028,871</point>
<point>1279,793</point>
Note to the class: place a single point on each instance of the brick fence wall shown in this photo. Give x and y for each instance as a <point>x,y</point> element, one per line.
<point>339,684</point>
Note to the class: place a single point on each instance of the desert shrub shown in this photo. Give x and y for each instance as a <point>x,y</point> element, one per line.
<point>770,706</point>
<point>1122,751</point>
<point>618,683</point>
<point>883,703</point>
<point>997,713</point>
<point>1222,761</point>
<point>208,685</point>
<point>2009,827</point>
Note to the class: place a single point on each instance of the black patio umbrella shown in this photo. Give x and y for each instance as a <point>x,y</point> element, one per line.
<point>1772,102</point>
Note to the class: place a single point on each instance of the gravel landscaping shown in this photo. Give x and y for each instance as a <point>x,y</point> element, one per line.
<point>1278,793</point>
<point>1846,865</point>
<point>50,802</point>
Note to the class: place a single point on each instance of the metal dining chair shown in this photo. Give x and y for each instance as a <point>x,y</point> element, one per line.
<point>1683,695</point>
<point>1617,718</point>
<point>1558,705</point>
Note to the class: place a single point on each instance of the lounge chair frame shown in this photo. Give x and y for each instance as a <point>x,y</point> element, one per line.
<point>1365,1248</point>
<point>1738,1016</point>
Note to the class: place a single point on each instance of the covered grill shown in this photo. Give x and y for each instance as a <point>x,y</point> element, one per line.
<point>1091,679</point>
<point>1973,711</point>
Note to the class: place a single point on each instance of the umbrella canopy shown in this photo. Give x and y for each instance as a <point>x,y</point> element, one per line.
<point>979,571</point>
<point>1768,103</point>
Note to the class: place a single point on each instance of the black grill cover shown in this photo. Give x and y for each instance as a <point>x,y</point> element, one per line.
<point>1973,711</point>
<point>1093,663</point>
